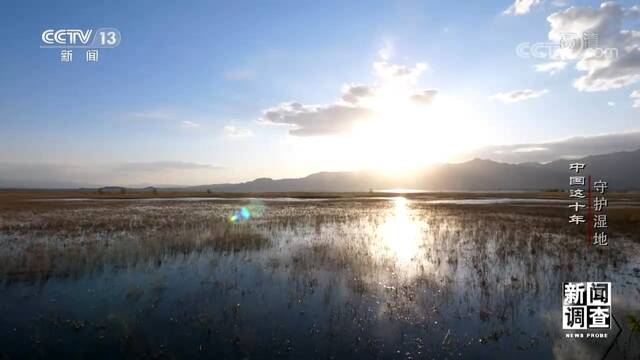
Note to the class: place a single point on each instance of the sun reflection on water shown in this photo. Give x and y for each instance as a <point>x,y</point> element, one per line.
<point>401,234</point>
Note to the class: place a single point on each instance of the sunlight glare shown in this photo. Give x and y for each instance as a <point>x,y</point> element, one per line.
<point>401,235</point>
<point>406,136</point>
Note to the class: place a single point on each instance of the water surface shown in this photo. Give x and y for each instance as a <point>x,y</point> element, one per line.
<point>357,278</point>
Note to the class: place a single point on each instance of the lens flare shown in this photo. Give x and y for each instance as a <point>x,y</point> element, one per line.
<point>240,215</point>
<point>254,209</point>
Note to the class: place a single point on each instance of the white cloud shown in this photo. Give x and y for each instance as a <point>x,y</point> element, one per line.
<point>354,93</point>
<point>310,120</point>
<point>189,124</point>
<point>578,146</point>
<point>521,7</point>
<point>519,95</point>
<point>608,55</point>
<point>611,103</point>
<point>358,103</point>
<point>236,132</point>
<point>424,97</point>
<point>635,95</point>
<point>551,67</point>
<point>386,51</point>
<point>634,10</point>
<point>392,72</point>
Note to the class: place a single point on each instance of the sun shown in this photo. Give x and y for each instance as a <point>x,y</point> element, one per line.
<point>405,136</point>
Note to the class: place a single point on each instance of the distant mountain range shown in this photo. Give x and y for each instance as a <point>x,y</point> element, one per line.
<point>620,169</point>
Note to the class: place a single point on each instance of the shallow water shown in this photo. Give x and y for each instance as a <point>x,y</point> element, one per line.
<point>481,201</point>
<point>391,278</point>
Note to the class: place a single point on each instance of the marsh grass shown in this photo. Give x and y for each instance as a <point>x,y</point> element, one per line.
<point>75,241</point>
<point>359,278</point>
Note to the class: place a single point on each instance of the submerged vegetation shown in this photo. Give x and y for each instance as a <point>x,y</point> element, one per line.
<point>361,277</point>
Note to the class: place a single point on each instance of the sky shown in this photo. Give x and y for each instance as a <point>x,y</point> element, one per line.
<point>205,92</point>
